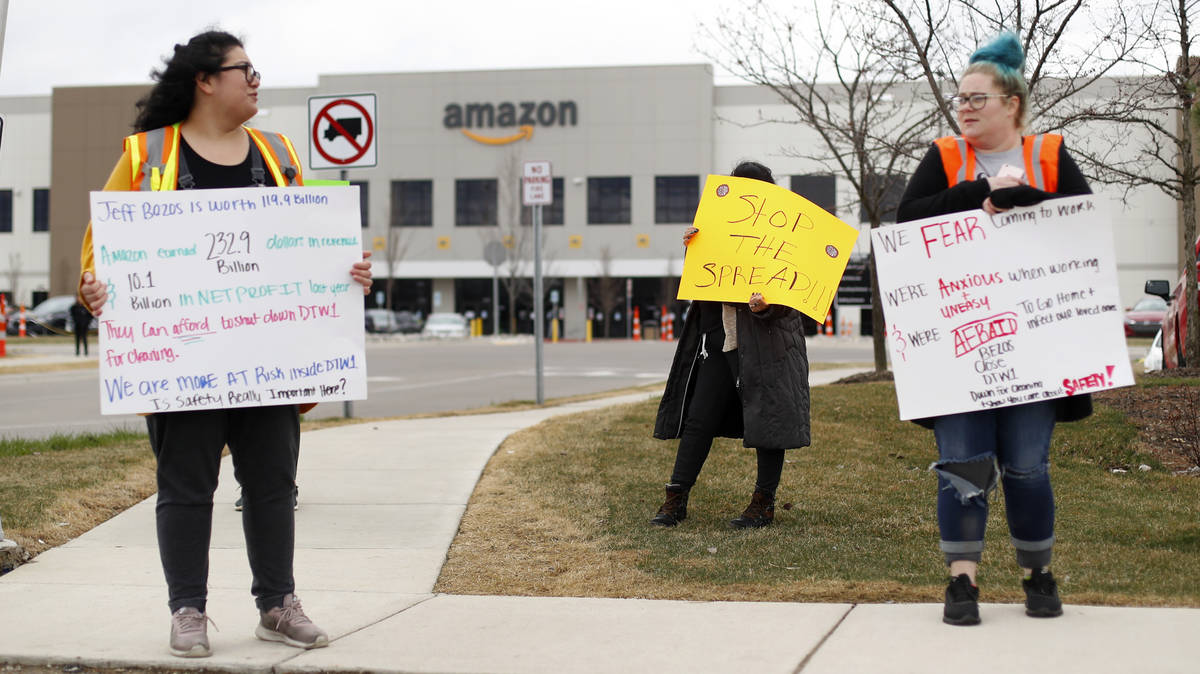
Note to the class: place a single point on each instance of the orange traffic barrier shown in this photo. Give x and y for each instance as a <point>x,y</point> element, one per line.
<point>670,327</point>
<point>21,323</point>
<point>3,326</point>
<point>828,327</point>
<point>637,325</point>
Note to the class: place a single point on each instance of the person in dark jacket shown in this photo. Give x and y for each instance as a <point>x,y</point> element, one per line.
<point>81,319</point>
<point>740,371</point>
<point>993,167</point>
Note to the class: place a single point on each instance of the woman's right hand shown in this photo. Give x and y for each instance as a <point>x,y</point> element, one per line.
<point>94,293</point>
<point>997,182</point>
<point>688,234</point>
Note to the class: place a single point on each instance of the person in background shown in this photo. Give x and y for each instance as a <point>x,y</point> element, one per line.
<point>993,167</point>
<point>81,321</point>
<point>740,371</point>
<point>191,136</point>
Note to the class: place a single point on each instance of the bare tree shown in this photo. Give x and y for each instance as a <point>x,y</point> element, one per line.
<point>14,275</point>
<point>1157,117</point>
<point>1070,45</point>
<point>394,250</point>
<point>1122,71</point>
<point>605,290</point>
<point>516,273</point>
<point>870,126</point>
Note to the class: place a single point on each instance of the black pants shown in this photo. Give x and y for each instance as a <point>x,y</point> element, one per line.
<point>264,443</point>
<point>716,391</point>
<point>81,338</point>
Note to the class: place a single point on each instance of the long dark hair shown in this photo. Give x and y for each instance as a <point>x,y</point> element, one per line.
<point>755,170</point>
<point>174,91</point>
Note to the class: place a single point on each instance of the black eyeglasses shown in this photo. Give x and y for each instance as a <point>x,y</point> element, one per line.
<point>247,69</point>
<point>973,101</point>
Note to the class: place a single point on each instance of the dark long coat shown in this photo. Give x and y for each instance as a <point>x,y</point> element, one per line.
<point>772,381</point>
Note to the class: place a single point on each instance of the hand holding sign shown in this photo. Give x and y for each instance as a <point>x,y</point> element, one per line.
<point>755,237</point>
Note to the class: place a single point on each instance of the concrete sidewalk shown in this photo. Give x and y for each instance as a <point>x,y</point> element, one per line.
<point>380,505</point>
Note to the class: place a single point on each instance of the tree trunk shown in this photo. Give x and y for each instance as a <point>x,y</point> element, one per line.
<point>1191,339</point>
<point>878,328</point>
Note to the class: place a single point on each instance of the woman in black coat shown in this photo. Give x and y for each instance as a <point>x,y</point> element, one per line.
<point>740,371</point>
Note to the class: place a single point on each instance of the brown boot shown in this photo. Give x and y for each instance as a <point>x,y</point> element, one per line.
<point>759,513</point>
<point>674,509</point>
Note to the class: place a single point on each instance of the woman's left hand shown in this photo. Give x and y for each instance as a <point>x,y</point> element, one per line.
<point>361,272</point>
<point>990,208</point>
<point>757,303</point>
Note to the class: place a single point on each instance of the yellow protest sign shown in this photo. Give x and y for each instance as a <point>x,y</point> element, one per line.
<point>756,237</point>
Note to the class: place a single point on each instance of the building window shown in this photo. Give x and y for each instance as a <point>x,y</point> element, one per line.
<point>676,198</point>
<point>552,214</point>
<point>887,191</point>
<point>5,210</point>
<point>41,209</point>
<point>475,202</point>
<point>608,201</point>
<point>819,189</point>
<point>362,199</point>
<point>412,203</point>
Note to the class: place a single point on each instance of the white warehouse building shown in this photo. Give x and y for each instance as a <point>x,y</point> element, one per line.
<point>629,148</point>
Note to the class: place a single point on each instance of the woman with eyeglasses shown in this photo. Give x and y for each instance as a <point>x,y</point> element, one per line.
<point>993,167</point>
<point>191,136</point>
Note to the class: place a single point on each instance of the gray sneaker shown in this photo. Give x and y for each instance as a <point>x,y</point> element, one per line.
<point>189,633</point>
<point>288,624</point>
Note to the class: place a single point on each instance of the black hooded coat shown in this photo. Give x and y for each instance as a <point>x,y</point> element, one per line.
<point>772,382</point>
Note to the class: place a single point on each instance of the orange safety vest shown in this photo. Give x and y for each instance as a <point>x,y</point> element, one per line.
<point>1041,159</point>
<point>154,158</point>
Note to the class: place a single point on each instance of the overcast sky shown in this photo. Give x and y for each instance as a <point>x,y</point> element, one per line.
<point>49,43</point>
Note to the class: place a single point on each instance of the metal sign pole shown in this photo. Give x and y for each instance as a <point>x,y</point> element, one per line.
<point>538,311</point>
<point>347,405</point>
<point>495,301</point>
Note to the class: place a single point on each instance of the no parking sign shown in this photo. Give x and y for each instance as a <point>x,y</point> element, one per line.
<point>342,131</point>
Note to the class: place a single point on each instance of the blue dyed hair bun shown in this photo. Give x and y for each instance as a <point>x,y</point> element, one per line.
<point>1004,52</point>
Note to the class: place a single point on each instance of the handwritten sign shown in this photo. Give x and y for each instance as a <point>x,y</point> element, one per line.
<point>988,311</point>
<point>228,298</point>
<point>756,237</point>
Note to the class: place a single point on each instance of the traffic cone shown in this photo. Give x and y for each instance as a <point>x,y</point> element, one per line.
<point>671,327</point>
<point>3,327</point>
<point>637,325</point>
<point>828,328</point>
<point>21,323</point>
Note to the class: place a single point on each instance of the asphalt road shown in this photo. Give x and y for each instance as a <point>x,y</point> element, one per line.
<point>404,377</point>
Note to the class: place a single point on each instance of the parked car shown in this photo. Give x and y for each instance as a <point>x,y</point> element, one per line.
<point>1153,360</point>
<point>445,325</point>
<point>408,321</point>
<point>1145,317</point>
<point>381,320</point>
<point>51,316</point>
<point>1174,324</point>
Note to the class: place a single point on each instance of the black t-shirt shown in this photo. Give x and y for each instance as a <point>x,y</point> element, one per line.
<point>214,176</point>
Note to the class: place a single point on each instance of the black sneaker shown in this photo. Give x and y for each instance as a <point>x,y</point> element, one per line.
<point>962,602</point>
<point>1041,595</point>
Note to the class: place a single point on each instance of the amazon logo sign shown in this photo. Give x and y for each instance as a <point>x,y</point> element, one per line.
<point>485,118</point>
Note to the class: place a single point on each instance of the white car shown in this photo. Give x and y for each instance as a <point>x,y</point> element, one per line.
<point>1154,355</point>
<point>445,325</point>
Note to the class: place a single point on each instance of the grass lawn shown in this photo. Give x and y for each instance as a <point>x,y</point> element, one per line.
<point>562,510</point>
<point>55,489</point>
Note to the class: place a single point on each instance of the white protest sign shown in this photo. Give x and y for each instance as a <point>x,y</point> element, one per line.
<point>228,298</point>
<point>987,311</point>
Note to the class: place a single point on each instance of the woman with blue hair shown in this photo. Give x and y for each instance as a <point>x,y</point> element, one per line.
<point>994,167</point>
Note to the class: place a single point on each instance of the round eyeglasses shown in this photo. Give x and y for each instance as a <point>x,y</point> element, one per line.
<point>973,101</point>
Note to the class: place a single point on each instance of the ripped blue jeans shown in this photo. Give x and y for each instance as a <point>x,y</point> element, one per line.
<point>977,450</point>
